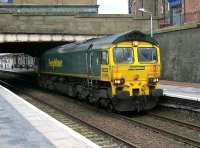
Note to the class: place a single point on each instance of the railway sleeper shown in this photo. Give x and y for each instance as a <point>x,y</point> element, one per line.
<point>110,145</point>
<point>104,142</point>
<point>91,135</point>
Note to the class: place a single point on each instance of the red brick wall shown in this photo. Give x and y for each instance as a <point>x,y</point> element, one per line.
<point>192,10</point>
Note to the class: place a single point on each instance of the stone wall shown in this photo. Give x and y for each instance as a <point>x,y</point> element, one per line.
<point>71,2</point>
<point>48,9</point>
<point>85,24</point>
<point>180,53</point>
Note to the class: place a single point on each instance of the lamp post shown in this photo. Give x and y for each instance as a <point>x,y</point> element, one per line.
<point>145,11</point>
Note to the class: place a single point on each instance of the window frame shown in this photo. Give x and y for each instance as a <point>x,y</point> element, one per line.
<point>101,57</point>
<point>133,56</point>
<point>148,62</point>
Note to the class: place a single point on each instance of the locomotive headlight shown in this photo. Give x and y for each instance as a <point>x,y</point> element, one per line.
<point>153,80</point>
<point>119,81</point>
<point>135,44</point>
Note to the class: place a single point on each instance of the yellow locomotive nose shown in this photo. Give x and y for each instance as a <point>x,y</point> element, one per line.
<point>139,75</point>
<point>136,77</point>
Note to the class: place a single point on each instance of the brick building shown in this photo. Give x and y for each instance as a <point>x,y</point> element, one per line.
<point>176,16</point>
<point>157,7</point>
<point>184,11</point>
<point>191,10</point>
<point>173,12</point>
<point>70,2</point>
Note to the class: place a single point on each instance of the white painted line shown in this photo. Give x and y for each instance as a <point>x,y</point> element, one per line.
<point>59,124</point>
<point>181,96</point>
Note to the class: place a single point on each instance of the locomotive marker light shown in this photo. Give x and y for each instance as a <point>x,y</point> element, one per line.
<point>153,81</point>
<point>119,81</point>
<point>151,18</point>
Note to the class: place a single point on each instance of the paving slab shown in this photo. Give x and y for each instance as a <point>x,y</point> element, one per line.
<point>181,90</point>
<point>17,70</point>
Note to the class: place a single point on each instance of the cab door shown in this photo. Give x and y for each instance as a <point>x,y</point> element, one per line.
<point>105,70</point>
<point>94,65</point>
<point>92,62</point>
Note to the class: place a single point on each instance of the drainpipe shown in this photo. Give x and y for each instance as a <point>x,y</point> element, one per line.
<point>184,13</point>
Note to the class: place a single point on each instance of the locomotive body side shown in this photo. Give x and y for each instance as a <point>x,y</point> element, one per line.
<point>70,62</point>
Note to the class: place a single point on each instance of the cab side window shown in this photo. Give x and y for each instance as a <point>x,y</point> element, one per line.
<point>104,57</point>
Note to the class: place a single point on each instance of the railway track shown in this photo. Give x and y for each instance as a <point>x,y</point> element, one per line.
<point>175,121</point>
<point>179,130</point>
<point>98,136</point>
<point>176,129</point>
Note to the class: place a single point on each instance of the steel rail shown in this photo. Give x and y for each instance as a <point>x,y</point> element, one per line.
<point>181,123</point>
<point>164,132</point>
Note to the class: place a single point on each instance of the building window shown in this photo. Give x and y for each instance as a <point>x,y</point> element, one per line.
<point>6,1</point>
<point>175,12</point>
<point>176,15</point>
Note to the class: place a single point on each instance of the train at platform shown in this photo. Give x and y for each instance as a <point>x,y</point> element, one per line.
<point>17,61</point>
<point>118,72</point>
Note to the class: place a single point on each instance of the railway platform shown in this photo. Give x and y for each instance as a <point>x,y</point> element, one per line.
<point>181,95</point>
<point>188,91</point>
<point>18,70</point>
<point>23,125</point>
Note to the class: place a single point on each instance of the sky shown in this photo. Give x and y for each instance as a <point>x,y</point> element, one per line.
<point>113,6</point>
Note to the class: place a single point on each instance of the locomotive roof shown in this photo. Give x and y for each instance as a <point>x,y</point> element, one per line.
<point>123,37</point>
<point>104,42</point>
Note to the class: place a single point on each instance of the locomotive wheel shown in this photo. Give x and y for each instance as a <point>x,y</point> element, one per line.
<point>110,107</point>
<point>80,96</point>
<point>91,99</point>
<point>40,84</point>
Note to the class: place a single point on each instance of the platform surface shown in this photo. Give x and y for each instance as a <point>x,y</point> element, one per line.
<point>24,126</point>
<point>190,91</point>
<point>18,70</point>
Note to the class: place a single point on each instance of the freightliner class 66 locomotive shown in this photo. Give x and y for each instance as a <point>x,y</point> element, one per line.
<point>119,72</point>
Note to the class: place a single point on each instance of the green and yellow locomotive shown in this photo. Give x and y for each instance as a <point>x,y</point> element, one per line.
<point>119,72</point>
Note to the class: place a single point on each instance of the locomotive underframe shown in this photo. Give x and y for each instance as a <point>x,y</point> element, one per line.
<point>96,92</point>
